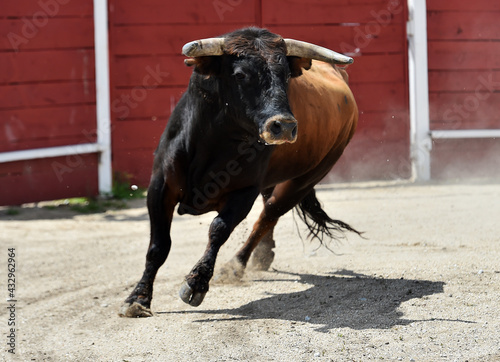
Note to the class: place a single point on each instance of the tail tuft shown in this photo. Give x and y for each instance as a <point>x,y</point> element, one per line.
<point>318,222</point>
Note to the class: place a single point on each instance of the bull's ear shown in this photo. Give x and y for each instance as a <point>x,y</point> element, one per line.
<point>209,65</point>
<point>297,64</point>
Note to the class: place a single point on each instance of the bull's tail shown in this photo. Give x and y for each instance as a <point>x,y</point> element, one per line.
<point>318,222</point>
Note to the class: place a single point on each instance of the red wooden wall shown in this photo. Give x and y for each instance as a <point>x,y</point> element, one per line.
<point>464,84</point>
<point>47,97</point>
<point>148,75</point>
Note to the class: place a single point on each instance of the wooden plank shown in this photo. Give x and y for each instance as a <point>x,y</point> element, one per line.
<point>332,12</point>
<point>452,55</point>
<point>46,94</point>
<point>383,126</point>
<point>78,33</point>
<point>461,25</point>
<point>390,68</point>
<point>186,12</point>
<point>48,179</point>
<point>362,39</point>
<point>34,143</point>
<point>150,71</point>
<point>465,158</point>
<point>390,161</point>
<point>34,128</point>
<point>42,66</point>
<point>464,110</point>
<point>380,97</point>
<point>52,8</point>
<point>464,80</point>
<point>136,162</point>
<point>161,39</point>
<point>151,104</point>
<point>132,135</point>
<point>463,125</point>
<point>463,5</point>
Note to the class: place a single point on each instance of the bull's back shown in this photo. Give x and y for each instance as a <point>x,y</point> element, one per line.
<point>327,116</point>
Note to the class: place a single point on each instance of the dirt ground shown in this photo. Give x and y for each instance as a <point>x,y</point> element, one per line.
<point>423,286</point>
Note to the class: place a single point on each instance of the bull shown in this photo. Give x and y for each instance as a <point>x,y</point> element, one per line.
<point>261,115</point>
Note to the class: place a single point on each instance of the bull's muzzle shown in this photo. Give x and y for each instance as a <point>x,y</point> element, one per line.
<point>279,129</point>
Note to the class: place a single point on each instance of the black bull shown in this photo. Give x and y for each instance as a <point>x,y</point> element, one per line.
<point>260,116</point>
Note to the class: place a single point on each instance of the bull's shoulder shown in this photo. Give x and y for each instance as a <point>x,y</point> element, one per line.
<point>325,72</point>
<point>323,81</point>
<point>321,99</point>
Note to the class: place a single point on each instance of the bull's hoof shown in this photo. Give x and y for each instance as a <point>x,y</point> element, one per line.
<point>135,310</point>
<point>232,272</point>
<point>262,261</point>
<point>189,296</point>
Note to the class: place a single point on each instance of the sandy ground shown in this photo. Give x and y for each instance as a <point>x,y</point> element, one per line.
<point>423,286</point>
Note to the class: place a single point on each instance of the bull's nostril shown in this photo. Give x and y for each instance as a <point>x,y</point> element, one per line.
<point>275,128</point>
<point>294,132</point>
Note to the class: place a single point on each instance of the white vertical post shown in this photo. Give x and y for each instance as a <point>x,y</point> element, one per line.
<point>102,94</point>
<point>420,138</point>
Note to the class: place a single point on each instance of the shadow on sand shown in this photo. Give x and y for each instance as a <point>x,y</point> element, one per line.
<point>342,299</point>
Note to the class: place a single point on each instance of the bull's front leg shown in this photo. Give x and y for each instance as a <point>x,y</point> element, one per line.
<point>237,207</point>
<point>161,205</point>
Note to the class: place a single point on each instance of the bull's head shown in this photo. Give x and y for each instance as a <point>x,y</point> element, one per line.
<point>252,68</point>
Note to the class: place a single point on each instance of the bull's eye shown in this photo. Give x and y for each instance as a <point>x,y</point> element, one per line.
<point>239,74</point>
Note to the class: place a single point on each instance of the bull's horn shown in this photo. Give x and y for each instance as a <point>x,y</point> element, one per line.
<point>204,47</point>
<point>302,49</point>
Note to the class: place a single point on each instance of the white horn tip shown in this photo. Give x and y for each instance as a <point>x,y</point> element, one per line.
<point>348,60</point>
<point>189,49</point>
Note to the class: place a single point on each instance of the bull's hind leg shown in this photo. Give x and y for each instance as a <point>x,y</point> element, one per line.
<point>263,254</point>
<point>282,199</point>
<point>160,207</point>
